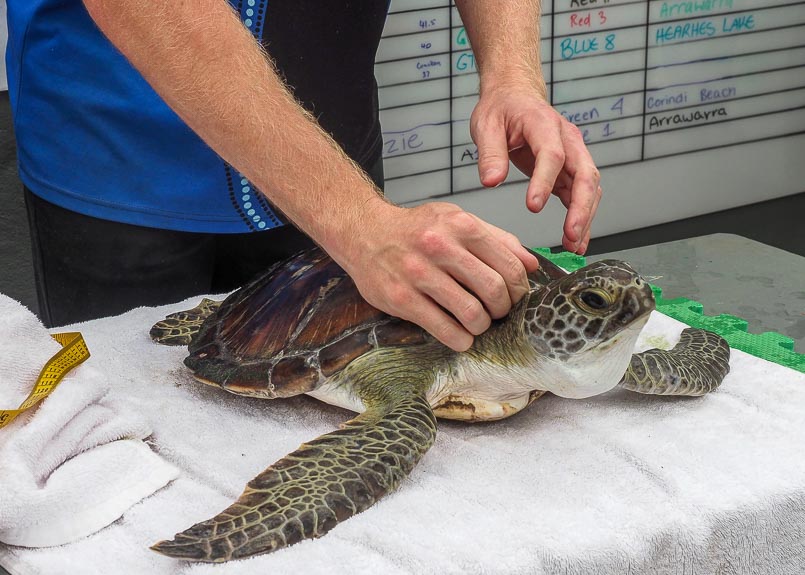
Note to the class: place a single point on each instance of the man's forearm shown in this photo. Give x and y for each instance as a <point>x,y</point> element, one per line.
<point>513,120</point>
<point>435,265</point>
<point>505,40</point>
<point>209,69</point>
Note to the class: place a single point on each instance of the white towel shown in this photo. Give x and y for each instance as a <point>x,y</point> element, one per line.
<point>614,484</point>
<point>74,463</point>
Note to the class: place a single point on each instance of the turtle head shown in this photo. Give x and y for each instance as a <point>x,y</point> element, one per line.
<point>584,327</point>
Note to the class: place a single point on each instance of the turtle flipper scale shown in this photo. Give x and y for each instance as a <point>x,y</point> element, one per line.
<point>324,482</point>
<point>179,328</point>
<point>695,366</point>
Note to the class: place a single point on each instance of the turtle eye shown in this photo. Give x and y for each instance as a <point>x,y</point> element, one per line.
<point>594,299</point>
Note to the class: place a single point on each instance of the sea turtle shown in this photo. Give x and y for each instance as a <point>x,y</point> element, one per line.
<point>303,328</point>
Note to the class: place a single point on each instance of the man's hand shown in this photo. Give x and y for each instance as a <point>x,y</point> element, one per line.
<point>515,122</point>
<point>435,265</point>
<point>439,267</point>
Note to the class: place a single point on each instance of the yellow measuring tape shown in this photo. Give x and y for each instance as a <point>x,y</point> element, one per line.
<point>73,352</point>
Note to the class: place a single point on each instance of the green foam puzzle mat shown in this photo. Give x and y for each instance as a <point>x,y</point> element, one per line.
<point>770,346</point>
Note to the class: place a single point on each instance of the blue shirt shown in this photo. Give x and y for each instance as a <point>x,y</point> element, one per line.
<point>93,137</point>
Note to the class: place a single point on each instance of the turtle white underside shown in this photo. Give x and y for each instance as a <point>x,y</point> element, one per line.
<point>493,391</point>
<point>595,372</point>
<point>464,406</point>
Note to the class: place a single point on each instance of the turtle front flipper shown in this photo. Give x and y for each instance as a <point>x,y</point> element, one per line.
<point>324,482</point>
<point>180,327</point>
<point>695,366</point>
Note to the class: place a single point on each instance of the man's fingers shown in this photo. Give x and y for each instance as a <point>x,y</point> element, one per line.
<point>493,272</point>
<point>570,241</point>
<point>584,243</point>
<point>512,242</point>
<point>463,305</point>
<point>586,240</point>
<point>563,182</point>
<point>483,278</point>
<point>438,323</point>
<point>523,159</point>
<point>550,159</point>
<point>584,198</point>
<point>585,191</point>
<point>493,153</point>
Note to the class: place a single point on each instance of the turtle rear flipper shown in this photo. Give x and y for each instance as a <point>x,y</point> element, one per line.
<point>695,366</point>
<point>324,482</point>
<point>180,327</point>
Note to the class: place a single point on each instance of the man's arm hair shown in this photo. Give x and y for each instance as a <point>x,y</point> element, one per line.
<point>200,58</point>
<point>505,40</point>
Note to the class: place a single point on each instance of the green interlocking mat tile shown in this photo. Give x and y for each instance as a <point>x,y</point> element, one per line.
<point>769,346</point>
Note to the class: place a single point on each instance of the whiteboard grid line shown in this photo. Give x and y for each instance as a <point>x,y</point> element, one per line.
<point>645,83</point>
<point>626,117</point>
<point>593,8</point>
<point>450,21</point>
<point>659,88</point>
<point>600,54</point>
<point>555,36</point>
<point>658,22</point>
<point>717,122</point>
<point>420,9</point>
<point>644,134</point>
<point>612,165</point>
<point>553,27</point>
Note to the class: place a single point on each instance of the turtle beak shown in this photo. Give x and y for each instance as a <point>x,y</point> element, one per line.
<point>637,304</point>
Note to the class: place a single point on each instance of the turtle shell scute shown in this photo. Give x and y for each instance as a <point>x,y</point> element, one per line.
<point>302,320</point>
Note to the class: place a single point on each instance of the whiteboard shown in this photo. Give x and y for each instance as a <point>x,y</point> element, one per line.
<point>687,106</point>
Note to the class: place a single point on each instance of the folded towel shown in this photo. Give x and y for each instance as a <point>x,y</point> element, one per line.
<point>614,484</point>
<point>74,463</point>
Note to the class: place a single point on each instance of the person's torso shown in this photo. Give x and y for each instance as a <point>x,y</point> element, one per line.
<point>93,136</point>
